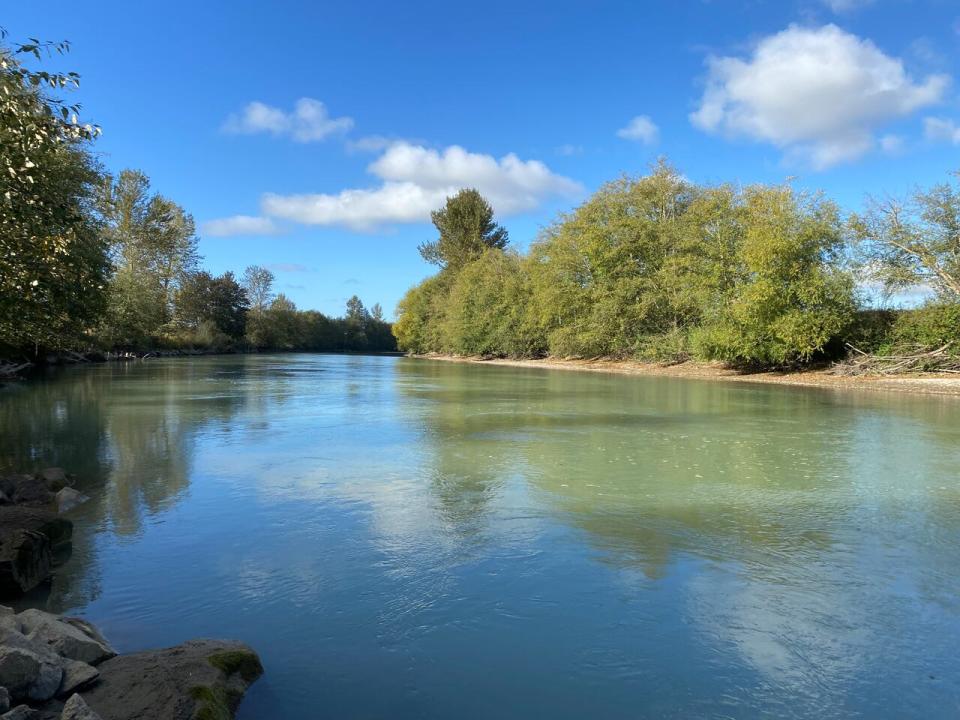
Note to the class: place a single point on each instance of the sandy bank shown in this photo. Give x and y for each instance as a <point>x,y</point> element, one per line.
<point>926,384</point>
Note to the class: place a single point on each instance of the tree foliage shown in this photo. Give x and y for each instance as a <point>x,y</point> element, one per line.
<point>466,229</point>
<point>154,248</point>
<point>53,260</point>
<point>656,268</point>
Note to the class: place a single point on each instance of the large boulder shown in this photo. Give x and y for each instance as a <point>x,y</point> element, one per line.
<point>68,639</point>
<point>198,679</point>
<point>29,675</point>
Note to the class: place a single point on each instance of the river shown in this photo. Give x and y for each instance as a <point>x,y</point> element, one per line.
<point>404,538</point>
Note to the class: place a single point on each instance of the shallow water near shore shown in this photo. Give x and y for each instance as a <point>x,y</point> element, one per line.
<point>408,538</point>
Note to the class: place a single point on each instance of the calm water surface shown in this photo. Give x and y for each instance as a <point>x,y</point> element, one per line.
<point>410,539</point>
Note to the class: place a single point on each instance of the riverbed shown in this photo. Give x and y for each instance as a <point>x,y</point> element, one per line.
<point>408,538</point>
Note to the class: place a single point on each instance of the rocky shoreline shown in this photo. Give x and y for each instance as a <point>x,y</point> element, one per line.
<point>62,668</point>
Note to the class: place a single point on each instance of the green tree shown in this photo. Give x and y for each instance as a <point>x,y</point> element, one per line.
<point>421,316</point>
<point>217,300</point>
<point>154,247</point>
<point>356,324</point>
<point>488,309</point>
<point>466,228</point>
<point>258,285</point>
<point>794,296</point>
<point>282,325</point>
<point>53,260</point>
<point>605,278</point>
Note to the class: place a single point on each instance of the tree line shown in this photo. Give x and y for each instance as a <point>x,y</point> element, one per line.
<point>659,268</point>
<point>94,261</point>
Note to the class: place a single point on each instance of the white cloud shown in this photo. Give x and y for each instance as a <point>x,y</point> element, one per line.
<point>817,93</point>
<point>642,129</point>
<point>417,180</point>
<point>239,225</point>
<point>309,121</point>
<point>569,150</point>
<point>941,130</point>
<point>844,6</point>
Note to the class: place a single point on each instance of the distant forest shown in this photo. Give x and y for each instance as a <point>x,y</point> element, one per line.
<point>89,261</point>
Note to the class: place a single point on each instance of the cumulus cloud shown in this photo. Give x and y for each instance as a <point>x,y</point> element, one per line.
<point>941,130</point>
<point>817,93</point>
<point>239,225</point>
<point>641,129</point>
<point>309,121</point>
<point>416,179</point>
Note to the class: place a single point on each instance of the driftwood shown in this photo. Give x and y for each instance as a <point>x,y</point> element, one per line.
<point>905,360</point>
<point>10,369</point>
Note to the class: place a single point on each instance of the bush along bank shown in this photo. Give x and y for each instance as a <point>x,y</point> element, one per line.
<point>659,269</point>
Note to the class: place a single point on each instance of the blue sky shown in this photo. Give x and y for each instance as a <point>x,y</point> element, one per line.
<point>313,138</point>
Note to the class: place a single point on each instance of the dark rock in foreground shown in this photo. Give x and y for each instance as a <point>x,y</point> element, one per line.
<point>28,538</point>
<point>31,530</point>
<point>61,668</point>
<point>198,679</point>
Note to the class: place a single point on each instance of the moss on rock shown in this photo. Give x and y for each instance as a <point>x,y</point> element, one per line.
<point>238,661</point>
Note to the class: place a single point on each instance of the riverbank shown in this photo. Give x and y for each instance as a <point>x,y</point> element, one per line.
<point>924,384</point>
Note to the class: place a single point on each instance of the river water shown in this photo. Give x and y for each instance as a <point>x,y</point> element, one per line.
<point>402,538</point>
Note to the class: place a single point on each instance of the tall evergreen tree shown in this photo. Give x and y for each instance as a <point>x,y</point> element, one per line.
<point>466,227</point>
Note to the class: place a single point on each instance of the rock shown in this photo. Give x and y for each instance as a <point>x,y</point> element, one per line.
<point>25,560</point>
<point>28,675</point>
<point>76,676</point>
<point>198,679</point>
<point>8,621</point>
<point>67,498</point>
<point>4,699</point>
<point>29,537</point>
<point>87,629</point>
<point>76,709</point>
<point>55,478</point>
<point>65,639</point>
<point>18,669</point>
<point>47,682</point>
<point>21,712</point>
<point>40,520</point>
<point>26,489</point>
